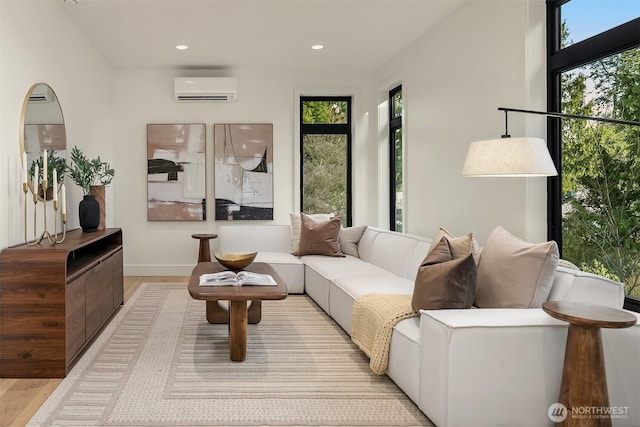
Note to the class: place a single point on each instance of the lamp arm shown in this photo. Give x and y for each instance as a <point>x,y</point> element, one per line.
<point>569,116</point>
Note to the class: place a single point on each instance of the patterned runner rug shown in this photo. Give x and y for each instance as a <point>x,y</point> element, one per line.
<point>159,362</point>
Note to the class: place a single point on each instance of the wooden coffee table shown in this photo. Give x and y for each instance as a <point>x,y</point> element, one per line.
<point>237,316</point>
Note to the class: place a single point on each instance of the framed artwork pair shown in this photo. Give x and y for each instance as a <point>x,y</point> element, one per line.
<point>177,172</point>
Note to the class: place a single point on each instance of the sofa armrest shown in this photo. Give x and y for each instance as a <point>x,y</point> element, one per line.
<point>504,366</point>
<point>580,286</point>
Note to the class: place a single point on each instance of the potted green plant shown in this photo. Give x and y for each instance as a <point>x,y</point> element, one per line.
<point>92,176</point>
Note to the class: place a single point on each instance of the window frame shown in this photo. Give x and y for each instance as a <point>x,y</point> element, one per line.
<point>395,123</point>
<point>607,43</point>
<point>328,129</point>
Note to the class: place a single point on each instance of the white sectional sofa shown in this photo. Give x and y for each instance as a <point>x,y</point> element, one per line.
<point>473,367</point>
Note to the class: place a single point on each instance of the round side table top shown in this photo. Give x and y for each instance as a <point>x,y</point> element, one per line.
<point>598,316</point>
<point>204,236</point>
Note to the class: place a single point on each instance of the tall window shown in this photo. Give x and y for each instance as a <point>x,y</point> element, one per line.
<point>325,147</point>
<point>396,161</point>
<point>594,204</point>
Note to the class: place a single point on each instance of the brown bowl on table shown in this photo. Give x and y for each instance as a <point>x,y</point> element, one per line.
<point>235,261</point>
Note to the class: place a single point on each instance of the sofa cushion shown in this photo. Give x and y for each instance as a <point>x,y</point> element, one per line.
<point>513,273</point>
<point>358,285</point>
<point>398,253</point>
<point>251,238</point>
<point>319,238</point>
<point>349,238</point>
<point>443,281</point>
<point>332,267</point>
<point>296,227</point>
<point>289,267</point>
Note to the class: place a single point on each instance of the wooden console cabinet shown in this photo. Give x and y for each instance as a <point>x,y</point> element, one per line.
<point>54,299</point>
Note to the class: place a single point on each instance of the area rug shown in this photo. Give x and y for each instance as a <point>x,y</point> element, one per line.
<point>158,362</point>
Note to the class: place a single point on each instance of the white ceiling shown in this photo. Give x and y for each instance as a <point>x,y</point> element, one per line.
<point>225,34</point>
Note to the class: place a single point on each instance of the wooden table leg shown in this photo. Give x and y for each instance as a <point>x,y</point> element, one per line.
<point>584,379</point>
<point>216,314</point>
<point>255,312</point>
<point>238,330</point>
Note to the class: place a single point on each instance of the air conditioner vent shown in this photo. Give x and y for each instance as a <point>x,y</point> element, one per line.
<point>203,98</point>
<point>41,93</point>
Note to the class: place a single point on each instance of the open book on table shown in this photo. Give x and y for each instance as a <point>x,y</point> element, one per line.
<point>242,278</point>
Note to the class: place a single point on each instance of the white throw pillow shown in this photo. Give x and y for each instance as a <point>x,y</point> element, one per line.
<point>349,238</point>
<point>296,227</point>
<point>513,273</point>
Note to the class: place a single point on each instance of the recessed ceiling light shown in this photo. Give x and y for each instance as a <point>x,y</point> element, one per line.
<point>317,46</point>
<point>182,47</point>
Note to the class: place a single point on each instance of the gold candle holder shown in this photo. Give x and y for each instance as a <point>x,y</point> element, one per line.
<point>52,239</point>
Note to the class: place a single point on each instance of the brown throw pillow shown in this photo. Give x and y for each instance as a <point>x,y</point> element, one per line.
<point>444,282</point>
<point>319,238</point>
<point>461,246</point>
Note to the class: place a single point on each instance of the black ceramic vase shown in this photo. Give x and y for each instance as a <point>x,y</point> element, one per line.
<point>89,213</point>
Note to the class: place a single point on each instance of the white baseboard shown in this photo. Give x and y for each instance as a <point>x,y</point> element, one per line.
<point>158,270</point>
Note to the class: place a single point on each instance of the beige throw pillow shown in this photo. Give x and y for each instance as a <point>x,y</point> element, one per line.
<point>349,238</point>
<point>444,282</point>
<point>514,273</point>
<point>296,226</point>
<point>319,238</point>
<point>460,246</point>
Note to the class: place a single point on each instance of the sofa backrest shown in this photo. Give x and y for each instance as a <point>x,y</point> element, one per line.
<point>579,286</point>
<point>250,238</point>
<point>396,252</point>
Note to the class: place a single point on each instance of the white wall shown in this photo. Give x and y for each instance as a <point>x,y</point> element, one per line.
<point>264,96</point>
<point>484,55</point>
<point>41,44</point>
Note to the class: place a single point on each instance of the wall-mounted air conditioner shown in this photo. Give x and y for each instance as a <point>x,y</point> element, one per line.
<point>205,89</point>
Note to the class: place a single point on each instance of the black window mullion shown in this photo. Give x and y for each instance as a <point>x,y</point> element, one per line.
<point>325,129</point>
<point>608,43</point>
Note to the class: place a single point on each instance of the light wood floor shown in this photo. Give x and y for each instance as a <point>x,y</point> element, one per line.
<point>21,398</point>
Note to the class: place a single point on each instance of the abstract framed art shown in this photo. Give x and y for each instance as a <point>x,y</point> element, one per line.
<point>243,155</point>
<point>176,172</point>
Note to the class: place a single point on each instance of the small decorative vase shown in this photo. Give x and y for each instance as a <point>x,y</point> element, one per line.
<point>89,213</point>
<point>99,192</point>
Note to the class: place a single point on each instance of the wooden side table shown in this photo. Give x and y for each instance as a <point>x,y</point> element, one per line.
<point>204,251</point>
<point>584,380</point>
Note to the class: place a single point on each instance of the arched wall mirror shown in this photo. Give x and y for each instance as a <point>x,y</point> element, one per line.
<point>42,128</point>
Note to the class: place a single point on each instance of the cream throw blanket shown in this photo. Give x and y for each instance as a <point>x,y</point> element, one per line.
<point>373,319</point>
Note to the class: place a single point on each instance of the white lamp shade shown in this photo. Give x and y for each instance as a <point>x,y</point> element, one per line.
<point>505,157</point>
